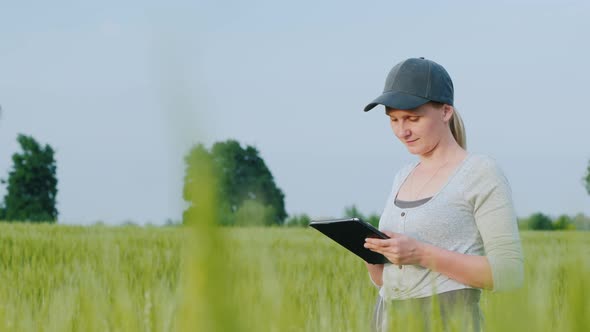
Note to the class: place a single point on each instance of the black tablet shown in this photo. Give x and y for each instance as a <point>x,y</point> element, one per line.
<point>351,234</point>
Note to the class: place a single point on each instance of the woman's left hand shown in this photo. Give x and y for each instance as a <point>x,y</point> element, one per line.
<point>398,249</point>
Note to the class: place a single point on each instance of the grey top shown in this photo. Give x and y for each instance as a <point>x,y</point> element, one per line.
<point>410,204</point>
<point>472,214</point>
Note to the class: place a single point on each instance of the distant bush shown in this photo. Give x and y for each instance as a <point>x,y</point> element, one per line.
<point>563,223</point>
<point>540,221</point>
<point>301,220</point>
<point>353,212</point>
<point>373,219</point>
<point>536,221</point>
<point>129,223</point>
<point>581,222</point>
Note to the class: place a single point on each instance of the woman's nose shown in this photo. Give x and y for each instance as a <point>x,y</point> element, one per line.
<point>402,131</point>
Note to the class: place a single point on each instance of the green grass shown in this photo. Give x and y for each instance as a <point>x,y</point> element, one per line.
<point>64,278</point>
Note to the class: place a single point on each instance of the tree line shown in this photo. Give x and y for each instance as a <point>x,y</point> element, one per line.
<point>246,193</point>
<point>541,222</point>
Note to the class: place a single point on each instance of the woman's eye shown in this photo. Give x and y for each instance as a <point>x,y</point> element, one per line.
<point>414,118</point>
<point>393,120</point>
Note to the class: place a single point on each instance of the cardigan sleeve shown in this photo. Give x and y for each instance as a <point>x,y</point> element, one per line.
<point>496,221</point>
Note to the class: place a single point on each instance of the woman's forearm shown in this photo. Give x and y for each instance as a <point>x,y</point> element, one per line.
<point>471,270</point>
<point>376,273</point>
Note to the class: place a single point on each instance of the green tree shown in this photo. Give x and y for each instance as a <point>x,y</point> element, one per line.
<point>563,222</point>
<point>32,183</point>
<point>242,178</point>
<point>539,221</point>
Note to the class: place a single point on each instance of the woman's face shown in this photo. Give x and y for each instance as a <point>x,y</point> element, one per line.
<point>422,129</point>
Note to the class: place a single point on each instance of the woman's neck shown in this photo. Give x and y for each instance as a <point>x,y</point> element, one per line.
<point>447,151</point>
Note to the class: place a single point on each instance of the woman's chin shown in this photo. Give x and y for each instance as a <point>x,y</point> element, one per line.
<point>414,150</point>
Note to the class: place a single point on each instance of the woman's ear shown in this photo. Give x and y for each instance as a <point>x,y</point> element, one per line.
<point>448,111</point>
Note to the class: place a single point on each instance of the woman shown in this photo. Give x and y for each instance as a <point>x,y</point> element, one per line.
<point>449,216</point>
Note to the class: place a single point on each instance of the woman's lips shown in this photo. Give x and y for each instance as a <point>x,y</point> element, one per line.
<point>412,141</point>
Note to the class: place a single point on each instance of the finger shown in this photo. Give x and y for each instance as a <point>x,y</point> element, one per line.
<point>379,251</point>
<point>371,246</point>
<point>379,242</point>
<point>374,248</point>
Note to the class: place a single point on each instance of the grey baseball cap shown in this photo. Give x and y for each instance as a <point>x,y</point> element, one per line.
<point>414,82</point>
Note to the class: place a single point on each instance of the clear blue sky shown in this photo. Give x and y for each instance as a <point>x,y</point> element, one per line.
<point>122,90</point>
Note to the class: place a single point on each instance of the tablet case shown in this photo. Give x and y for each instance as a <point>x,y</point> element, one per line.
<point>351,234</point>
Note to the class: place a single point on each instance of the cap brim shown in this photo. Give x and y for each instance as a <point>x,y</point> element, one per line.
<point>397,100</point>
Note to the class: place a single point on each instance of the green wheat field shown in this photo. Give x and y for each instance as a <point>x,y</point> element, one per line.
<point>100,278</point>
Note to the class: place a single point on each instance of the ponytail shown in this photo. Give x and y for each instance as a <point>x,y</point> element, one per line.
<point>458,129</point>
<point>456,126</point>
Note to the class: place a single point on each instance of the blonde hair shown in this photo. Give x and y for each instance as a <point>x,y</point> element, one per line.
<point>458,129</point>
<point>456,125</point>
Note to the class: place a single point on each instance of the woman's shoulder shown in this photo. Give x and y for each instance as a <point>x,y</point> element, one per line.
<point>483,163</point>
<point>484,169</point>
